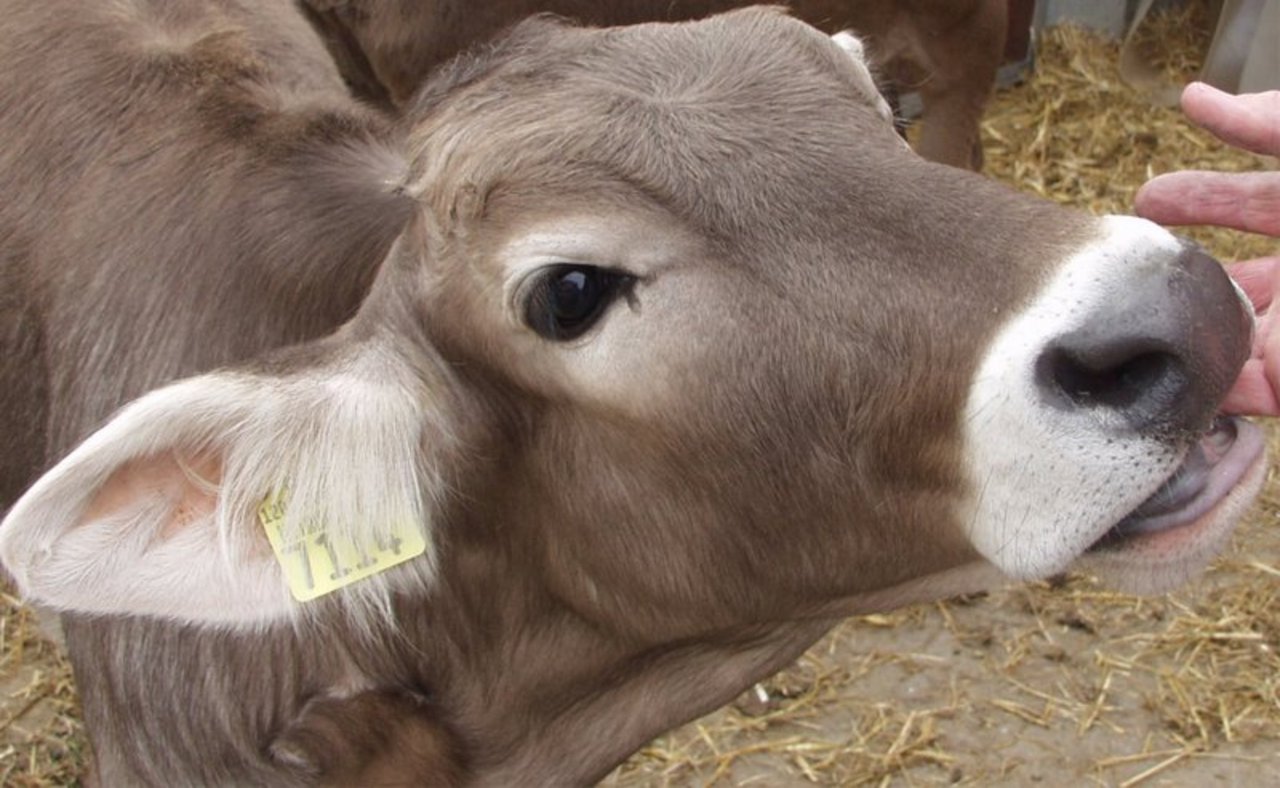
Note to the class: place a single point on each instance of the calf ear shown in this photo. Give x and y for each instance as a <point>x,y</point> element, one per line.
<point>160,512</point>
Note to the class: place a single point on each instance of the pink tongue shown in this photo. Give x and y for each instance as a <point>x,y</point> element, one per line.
<point>1164,508</point>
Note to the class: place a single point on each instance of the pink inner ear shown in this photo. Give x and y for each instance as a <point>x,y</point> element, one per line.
<point>187,481</point>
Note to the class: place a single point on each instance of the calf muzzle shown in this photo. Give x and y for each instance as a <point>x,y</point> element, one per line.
<point>1158,356</point>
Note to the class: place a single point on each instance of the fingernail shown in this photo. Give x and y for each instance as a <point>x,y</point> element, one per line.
<point>1205,87</point>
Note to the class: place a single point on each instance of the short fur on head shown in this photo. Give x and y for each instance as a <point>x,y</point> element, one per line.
<point>790,401</point>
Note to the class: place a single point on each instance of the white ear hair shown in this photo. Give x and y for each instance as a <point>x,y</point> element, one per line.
<point>851,44</point>
<point>126,524</point>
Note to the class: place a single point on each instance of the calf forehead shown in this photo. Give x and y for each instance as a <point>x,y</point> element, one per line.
<point>718,121</point>
<point>751,124</point>
<point>825,256</point>
<point>753,129</point>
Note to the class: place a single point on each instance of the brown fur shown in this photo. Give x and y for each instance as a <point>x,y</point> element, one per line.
<point>948,50</point>
<point>615,561</point>
<point>250,150</point>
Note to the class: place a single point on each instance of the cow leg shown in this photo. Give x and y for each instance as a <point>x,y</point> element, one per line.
<point>379,737</point>
<point>950,128</point>
<point>961,60</point>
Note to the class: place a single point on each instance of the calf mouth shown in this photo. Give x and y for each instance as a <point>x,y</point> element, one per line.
<point>1226,463</point>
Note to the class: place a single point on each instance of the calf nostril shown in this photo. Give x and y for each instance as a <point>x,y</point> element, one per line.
<point>1138,379</point>
<point>1154,343</point>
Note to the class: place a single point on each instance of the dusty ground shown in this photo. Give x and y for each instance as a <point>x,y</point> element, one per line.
<point>1064,686</point>
<point>1069,685</point>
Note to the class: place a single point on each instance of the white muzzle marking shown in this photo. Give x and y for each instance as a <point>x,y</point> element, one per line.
<point>1049,481</point>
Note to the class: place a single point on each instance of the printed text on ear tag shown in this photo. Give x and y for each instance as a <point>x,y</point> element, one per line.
<point>316,562</point>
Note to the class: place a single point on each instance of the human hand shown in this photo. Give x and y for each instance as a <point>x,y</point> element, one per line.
<point>1244,201</point>
<point>1257,391</point>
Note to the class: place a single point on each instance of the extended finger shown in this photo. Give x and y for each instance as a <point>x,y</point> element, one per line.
<point>1258,279</point>
<point>1253,393</point>
<point>1242,200</point>
<point>1250,120</point>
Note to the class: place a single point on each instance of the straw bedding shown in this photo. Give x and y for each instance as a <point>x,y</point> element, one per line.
<point>1060,685</point>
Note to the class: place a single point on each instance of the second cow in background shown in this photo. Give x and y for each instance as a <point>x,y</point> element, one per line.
<point>948,51</point>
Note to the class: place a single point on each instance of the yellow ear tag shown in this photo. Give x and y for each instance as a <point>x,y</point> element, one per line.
<point>316,563</point>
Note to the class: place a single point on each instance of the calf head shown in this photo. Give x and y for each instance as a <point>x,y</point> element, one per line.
<point>682,338</point>
<point>757,355</point>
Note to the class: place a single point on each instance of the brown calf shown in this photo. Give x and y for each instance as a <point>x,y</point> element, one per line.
<point>947,50</point>
<point>671,355</point>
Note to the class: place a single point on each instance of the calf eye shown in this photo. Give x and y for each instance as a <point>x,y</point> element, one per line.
<point>566,300</point>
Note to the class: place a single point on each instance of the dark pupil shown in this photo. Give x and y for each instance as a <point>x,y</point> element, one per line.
<point>574,296</point>
<point>569,299</point>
